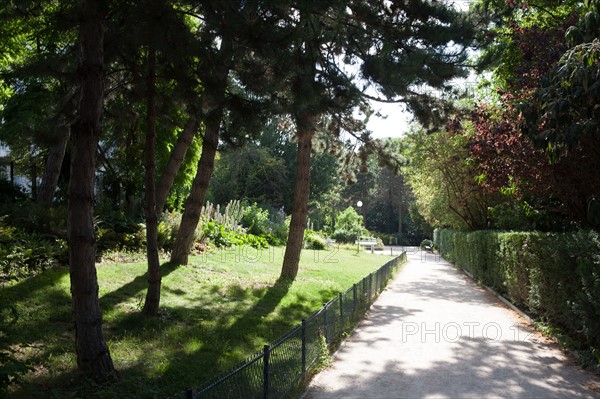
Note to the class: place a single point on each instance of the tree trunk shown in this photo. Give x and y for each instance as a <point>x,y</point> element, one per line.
<point>93,357</point>
<point>213,101</point>
<point>154,280</point>
<point>306,125</point>
<point>193,204</point>
<point>52,169</point>
<point>184,141</point>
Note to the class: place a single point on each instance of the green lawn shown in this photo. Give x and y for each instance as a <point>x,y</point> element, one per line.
<point>214,313</point>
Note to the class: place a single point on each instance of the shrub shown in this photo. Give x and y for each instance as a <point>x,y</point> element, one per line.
<point>10,192</point>
<point>168,228</point>
<point>220,236</point>
<point>256,220</point>
<point>280,226</point>
<point>349,226</point>
<point>117,231</point>
<point>24,254</point>
<point>556,276</point>
<point>426,244</point>
<point>267,223</point>
<point>313,240</point>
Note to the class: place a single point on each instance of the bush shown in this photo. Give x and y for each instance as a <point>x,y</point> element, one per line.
<point>256,220</point>
<point>10,192</point>
<point>349,226</point>
<point>269,224</point>
<point>168,228</point>
<point>220,236</point>
<point>426,245</point>
<point>313,240</point>
<point>394,239</point>
<point>24,254</point>
<point>555,276</point>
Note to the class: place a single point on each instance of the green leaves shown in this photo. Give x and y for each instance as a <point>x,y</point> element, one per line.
<point>566,105</point>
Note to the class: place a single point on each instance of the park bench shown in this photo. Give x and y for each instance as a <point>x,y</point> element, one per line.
<point>367,242</point>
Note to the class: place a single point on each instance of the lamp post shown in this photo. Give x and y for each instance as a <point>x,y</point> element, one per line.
<point>359,205</point>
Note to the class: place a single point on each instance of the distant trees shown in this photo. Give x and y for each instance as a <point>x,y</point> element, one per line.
<point>444,180</point>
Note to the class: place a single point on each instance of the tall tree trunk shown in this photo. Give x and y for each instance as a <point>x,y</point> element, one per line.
<point>54,162</point>
<point>93,357</point>
<point>213,101</point>
<point>184,141</point>
<point>154,279</point>
<point>193,204</point>
<point>306,127</point>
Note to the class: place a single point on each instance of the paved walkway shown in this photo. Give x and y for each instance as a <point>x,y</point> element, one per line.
<point>433,333</point>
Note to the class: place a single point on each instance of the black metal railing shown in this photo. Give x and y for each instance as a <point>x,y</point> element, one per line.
<point>274,371</point>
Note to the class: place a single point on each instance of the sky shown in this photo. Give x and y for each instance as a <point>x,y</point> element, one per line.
<point>395,124</point>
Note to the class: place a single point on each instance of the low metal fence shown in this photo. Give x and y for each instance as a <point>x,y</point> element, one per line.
<point>275,370</point>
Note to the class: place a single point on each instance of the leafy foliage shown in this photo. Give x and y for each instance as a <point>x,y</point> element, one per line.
<point>349,226</point>
<point>536,146</point>
<point>313,240</point>
<point>24,254</point>
<point>444,179</point>
<point>565,110</point>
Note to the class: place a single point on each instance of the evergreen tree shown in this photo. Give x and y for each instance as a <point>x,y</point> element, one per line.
<point>334,55</point>
<point>228,110</point>
<point>93,356</point>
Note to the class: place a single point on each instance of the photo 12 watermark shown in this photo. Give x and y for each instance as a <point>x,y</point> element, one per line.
<point>466,331</point>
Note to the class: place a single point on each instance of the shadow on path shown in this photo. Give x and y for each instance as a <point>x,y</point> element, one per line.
<point>435,333</point>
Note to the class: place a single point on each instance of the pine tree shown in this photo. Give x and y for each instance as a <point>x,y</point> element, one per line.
<point>93,356</point>
<point>229,112</point>
<point>333,55</point>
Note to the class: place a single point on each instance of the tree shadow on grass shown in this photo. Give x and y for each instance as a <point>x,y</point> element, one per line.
<point>216,335</point>
<point>127,291</point>
<point>187,345</point>
<point>34,308</point>
<point>37,321</point>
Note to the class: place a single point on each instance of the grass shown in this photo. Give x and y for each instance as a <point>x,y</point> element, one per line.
<point>215,312</point>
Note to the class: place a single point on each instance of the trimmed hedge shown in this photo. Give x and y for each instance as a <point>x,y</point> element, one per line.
<point>555,276</point>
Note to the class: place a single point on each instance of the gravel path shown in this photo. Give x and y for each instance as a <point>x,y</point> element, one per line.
<point>433,333</point>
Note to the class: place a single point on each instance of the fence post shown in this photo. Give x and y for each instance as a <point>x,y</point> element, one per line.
<point>266,360</point>
<point>370,287</point>
<point>325,322</point>
<point>303,346</point>
<point>355,308</point>
<point>341,311</point>
<point>189,393</point>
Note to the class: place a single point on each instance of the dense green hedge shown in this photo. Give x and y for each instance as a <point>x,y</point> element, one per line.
<point>555,276</point>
